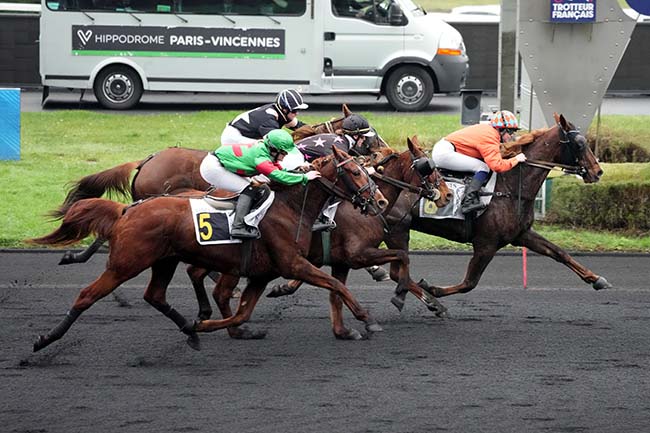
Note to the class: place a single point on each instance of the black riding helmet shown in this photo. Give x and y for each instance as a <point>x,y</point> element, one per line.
<point>424,166</point>
<point>357,125</point>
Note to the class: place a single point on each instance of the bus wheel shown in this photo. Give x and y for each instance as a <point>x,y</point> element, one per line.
<point>409,88</point>
<point>118,88</point>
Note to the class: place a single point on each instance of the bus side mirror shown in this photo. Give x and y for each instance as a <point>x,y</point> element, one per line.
<point>395,15</point>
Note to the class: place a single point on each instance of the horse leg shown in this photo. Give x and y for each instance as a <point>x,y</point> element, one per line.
<point>108,281</point>
<point>533,241</point>
<point>310,274</point>
<point>247,303</point>
<point>336,307</point>
<point>288,288</point>
<point>482,257</point>
<point>82,257</point>
<point>197,276</point>
<point>155,294</point>
<point>222,294</point>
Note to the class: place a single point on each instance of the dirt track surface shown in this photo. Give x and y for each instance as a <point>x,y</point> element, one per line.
<point>557,357</point>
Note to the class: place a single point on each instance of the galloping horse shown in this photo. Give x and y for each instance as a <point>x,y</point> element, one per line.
<point>509,218</point>
<point>170,171</point>
<point>354,243</point>
<point>159,233</point>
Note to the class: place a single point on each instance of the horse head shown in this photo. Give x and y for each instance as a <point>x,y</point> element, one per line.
<point>559,146</point>
<point>576,152</point>
<point>411,171</point>
<point>432,180</point>
<point>357,186</point>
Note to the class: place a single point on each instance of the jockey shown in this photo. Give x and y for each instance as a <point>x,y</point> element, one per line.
<point>237,162</point>
<point>252,125</point>
<point>357,130</point>
<point>477,149</point>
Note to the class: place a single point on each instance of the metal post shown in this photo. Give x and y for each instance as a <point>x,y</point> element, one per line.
<point>508,55</point>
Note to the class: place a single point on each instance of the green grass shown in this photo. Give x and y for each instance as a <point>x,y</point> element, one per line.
<point>59,147</point>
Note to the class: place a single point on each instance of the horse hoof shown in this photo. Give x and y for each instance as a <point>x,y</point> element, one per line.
<point>67,258</point>
<point>374,327</point>
<point>41,342</point>
<point>276,291</point>
<point>350,334</point>
<point>397,302</point>
<point>193,341</point>
<point>245,333</point>
<point>601,284</point>
<point>204,316</point>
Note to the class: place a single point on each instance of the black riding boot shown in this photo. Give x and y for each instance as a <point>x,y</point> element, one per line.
<point>471,202</point>
<point>323,223</point>
<point>244,204</point>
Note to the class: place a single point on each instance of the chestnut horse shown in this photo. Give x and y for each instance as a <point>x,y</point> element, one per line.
<point>355,241</point>
<point>164,236</point>
<point>510,215</point>
<point>170,171</point>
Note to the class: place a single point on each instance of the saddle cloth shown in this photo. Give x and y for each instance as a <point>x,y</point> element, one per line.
<point>428,209</point>
<point>213,219</point>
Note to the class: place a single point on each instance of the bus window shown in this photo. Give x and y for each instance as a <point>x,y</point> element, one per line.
<point>367,10</point>
<point>244,7</point>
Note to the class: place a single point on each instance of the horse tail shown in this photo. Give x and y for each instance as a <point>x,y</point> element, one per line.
<point>115,181</point>
<point>94,215</point>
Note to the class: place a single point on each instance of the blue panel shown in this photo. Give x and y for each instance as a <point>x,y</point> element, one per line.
<point>9,124</point>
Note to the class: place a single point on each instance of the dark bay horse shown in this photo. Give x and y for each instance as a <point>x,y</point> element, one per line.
<point>509,217</point>
<point>355,241</point>
<point>170,171</point>
<point>159,233</point>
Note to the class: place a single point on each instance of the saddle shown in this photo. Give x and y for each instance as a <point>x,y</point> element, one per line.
<point>457,181</point>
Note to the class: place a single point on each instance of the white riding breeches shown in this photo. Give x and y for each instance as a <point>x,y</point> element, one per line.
<point>231,135</point>
<point>219,177</point>
<point>444,155</point>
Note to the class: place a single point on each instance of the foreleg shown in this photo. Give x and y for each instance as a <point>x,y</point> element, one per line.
<point>222,294</point>
<point>533,241</point>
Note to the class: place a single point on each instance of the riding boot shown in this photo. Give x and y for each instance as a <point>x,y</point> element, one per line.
<point>323,223</point>
<point>471,202</point>
<point>239,228</point>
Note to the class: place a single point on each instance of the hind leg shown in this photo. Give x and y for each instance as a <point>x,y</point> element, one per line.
<point>156,295</point>
<point>222,294</point>
<point>102,286</point>
<point>82,257</point>
<point>247,303</point>
<point>197,276</point>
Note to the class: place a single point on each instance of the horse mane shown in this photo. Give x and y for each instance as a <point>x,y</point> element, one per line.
<point>302,132</point>
<point>512,148</point>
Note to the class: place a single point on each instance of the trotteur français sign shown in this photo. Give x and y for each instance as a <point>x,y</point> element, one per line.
<point>573,11</point>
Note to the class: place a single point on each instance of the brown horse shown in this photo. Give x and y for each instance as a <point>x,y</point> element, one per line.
<point>355,241</point>
<point>170,171</point>
<point>509,218</point>
<point>159,233</point>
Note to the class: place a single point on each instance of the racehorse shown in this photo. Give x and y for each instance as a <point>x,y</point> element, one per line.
<point>354,243</point>
<point>159,232</point>
<point>509,217</point>
<point>170,171</point>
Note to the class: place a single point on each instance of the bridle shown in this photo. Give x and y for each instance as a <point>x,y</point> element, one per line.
<point>351,193</point>
<point>570,157</point>
<point>425,190</point>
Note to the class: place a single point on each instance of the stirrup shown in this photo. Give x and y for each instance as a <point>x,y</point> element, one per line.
<point>245,232</point>
<point>471,207</point>
<point>321,225</point>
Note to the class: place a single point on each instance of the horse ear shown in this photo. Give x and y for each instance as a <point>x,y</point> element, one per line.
<point>563,122</point>
<point>337,153</point>
<point>346,110</point>
<point>556,117</point>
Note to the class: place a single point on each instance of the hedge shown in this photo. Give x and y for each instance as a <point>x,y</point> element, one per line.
<point>611,206</point>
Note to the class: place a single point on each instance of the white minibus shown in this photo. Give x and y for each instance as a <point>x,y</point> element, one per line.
<point>121,48</point>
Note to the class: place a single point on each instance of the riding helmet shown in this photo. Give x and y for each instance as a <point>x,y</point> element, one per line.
<point>290,100</point>
<point>357,125</point>
<point>280,140</point>
<point>504,119</point>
